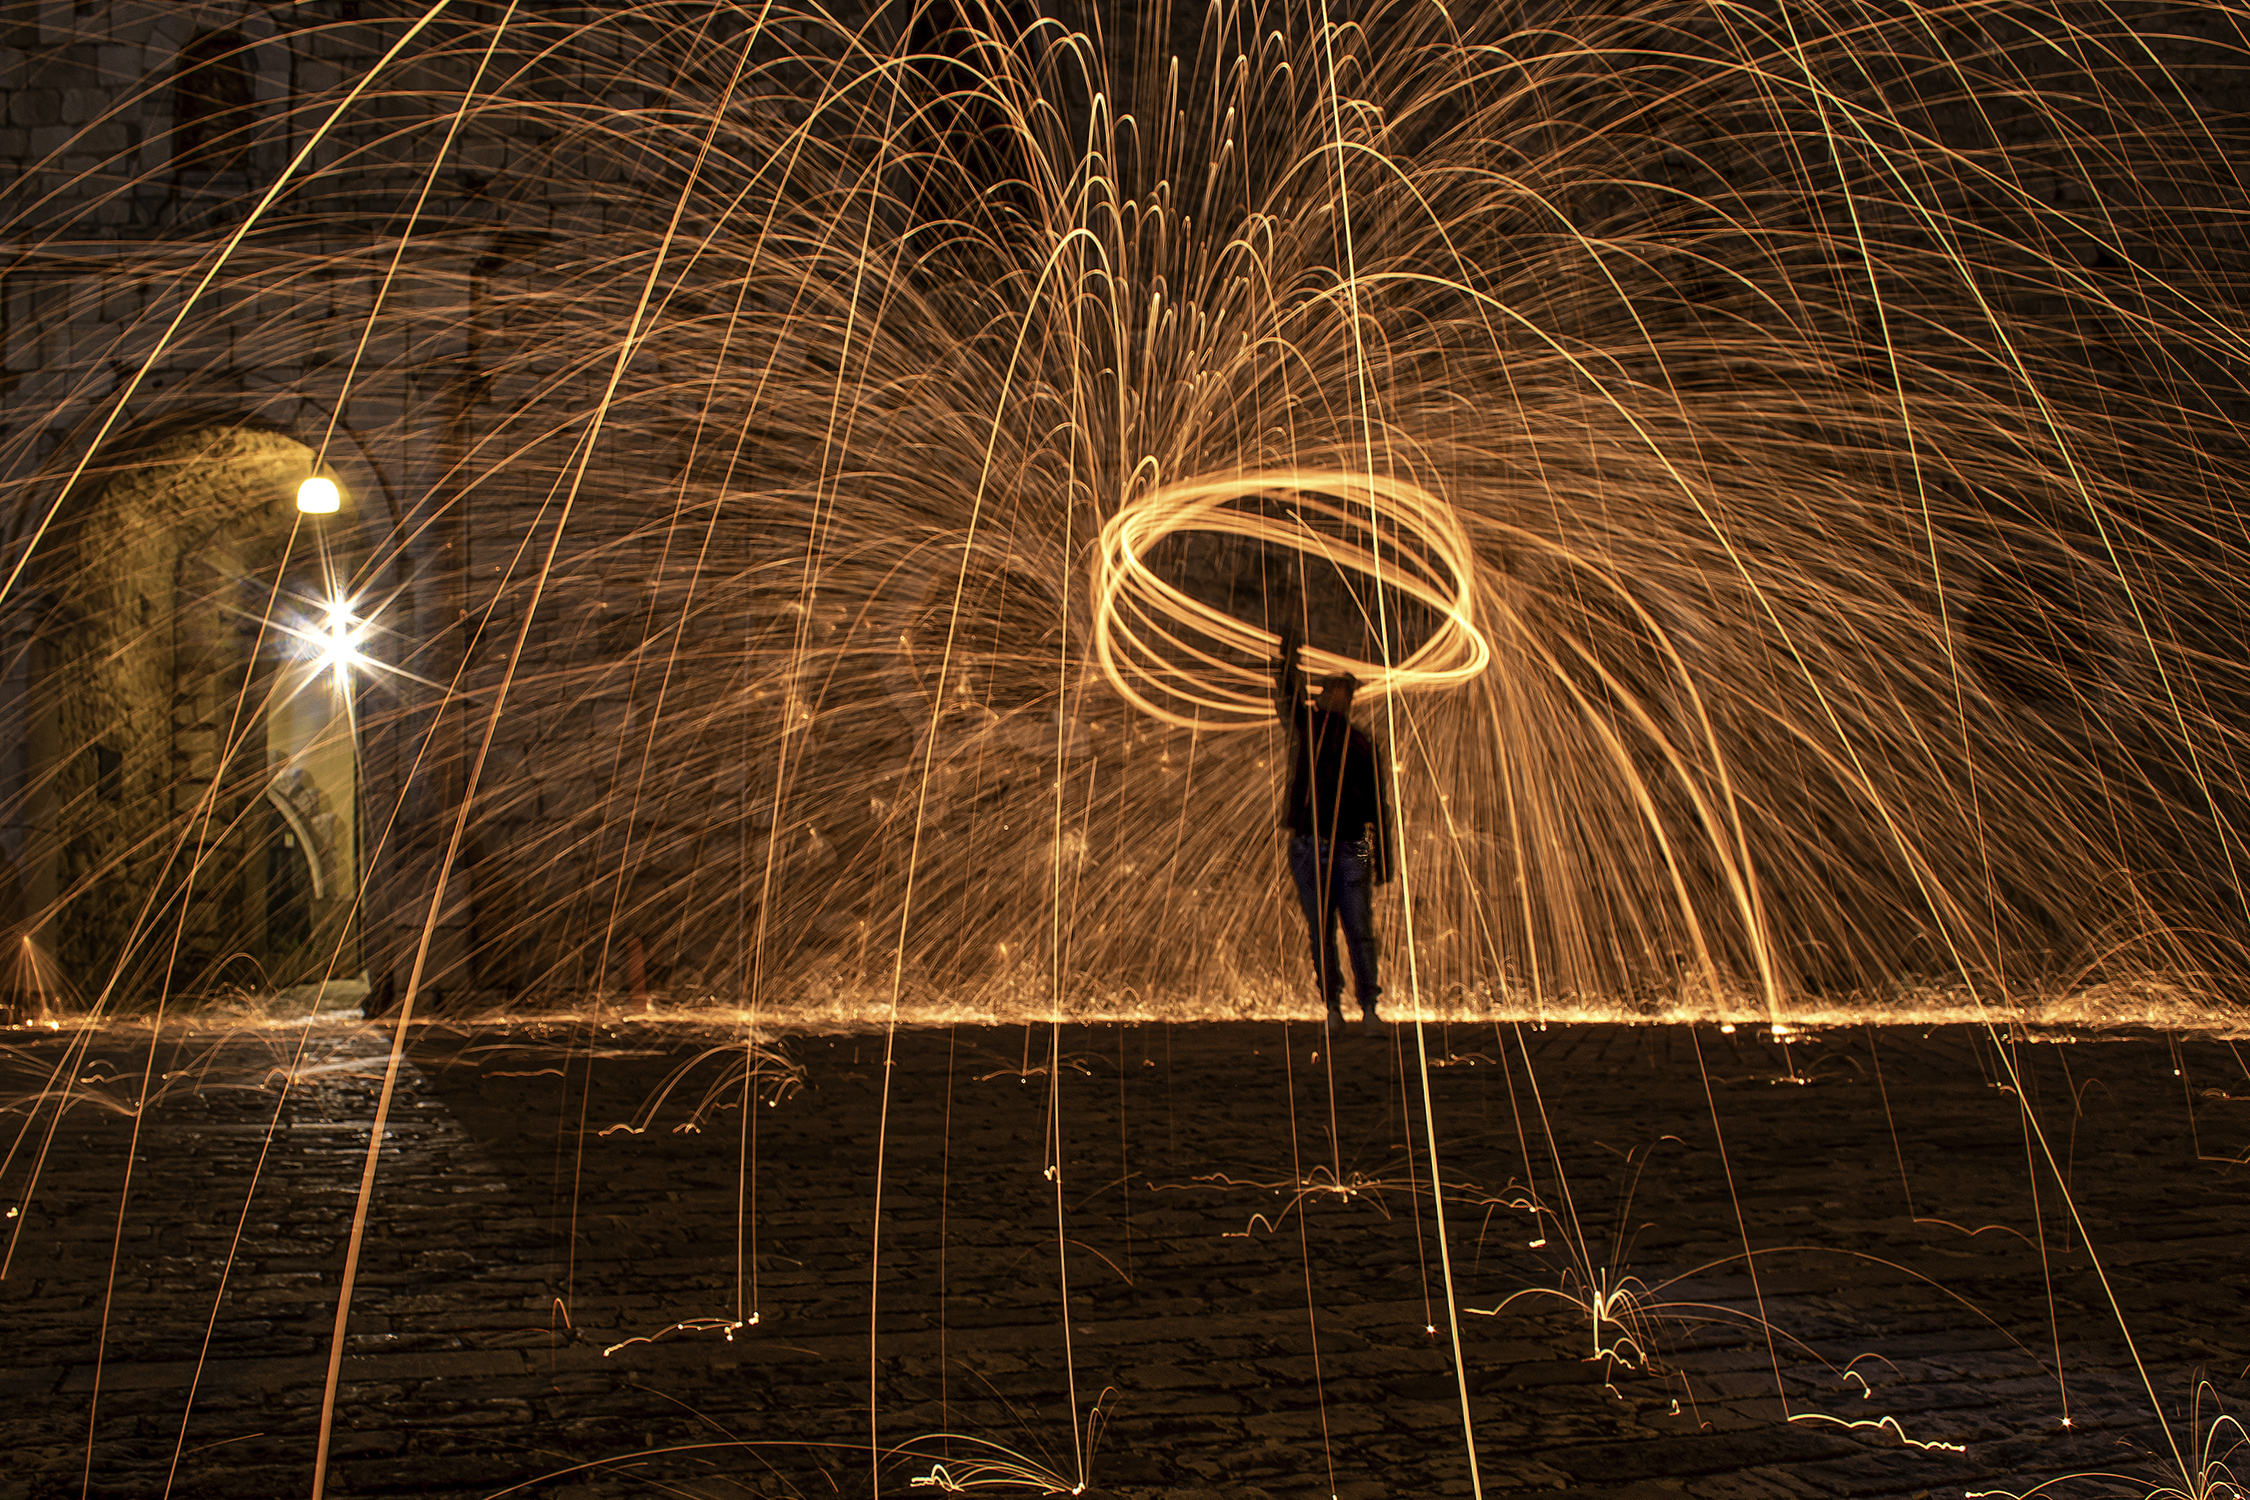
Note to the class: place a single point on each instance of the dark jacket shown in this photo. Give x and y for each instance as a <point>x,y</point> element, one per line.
<point>1336,775</point>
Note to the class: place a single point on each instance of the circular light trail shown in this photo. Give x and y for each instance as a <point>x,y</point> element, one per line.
<point>1191,664</point>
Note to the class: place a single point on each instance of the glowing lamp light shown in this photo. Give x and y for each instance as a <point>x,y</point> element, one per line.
<point>339,640</point>
<point>319,497</point>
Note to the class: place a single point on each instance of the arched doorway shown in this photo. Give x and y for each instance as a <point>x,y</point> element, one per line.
<point>196,781</point>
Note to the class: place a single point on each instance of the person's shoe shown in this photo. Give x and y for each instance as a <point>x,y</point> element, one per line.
<point>1370,1022</point>
<point>1335,1018</point>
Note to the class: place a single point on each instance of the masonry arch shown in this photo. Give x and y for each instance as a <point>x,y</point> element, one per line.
<point>195,775</point>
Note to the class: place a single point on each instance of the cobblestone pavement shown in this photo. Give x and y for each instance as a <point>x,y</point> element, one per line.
<point>1257,1290</point>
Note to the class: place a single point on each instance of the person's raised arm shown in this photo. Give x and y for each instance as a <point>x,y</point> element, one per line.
<point>1288,675</point>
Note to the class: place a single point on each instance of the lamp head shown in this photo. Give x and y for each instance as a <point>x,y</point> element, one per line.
<point>319,496</point>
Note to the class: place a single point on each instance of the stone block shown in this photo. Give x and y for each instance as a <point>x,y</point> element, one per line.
<point>106,138</point>
<point>75,65</point>
<point>81,106</point>
<point>30,1380</point>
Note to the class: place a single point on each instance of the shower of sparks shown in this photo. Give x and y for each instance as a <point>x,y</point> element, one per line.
<point>814,495</point>
<point>1805,455</point>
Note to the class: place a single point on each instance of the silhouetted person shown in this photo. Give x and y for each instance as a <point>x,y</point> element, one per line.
<point>1339,827</point>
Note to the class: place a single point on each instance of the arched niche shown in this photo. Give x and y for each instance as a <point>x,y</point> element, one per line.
<point>196,781</point>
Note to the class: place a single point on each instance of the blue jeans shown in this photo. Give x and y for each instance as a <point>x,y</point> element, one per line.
<point>1333,888</point>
